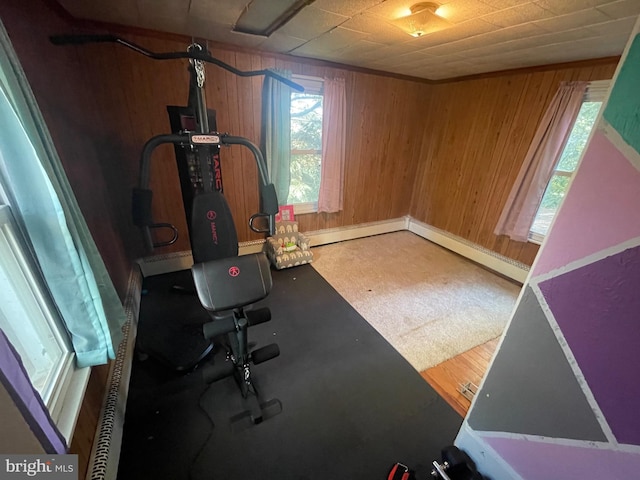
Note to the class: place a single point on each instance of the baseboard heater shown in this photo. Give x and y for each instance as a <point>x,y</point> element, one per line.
<point>103,464</point>
<point>105,452</point>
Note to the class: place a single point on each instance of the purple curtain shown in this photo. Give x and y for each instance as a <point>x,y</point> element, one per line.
<point>543,155</point>
<point>334,121</point>
<point>15,381</point>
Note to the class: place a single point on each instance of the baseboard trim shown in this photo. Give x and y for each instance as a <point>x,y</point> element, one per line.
<point>493,261</point>
<point>173,262</point>
<point>167,263</point>
<point>105,453</point>
<point>351,232</point>
<point>159,264</point>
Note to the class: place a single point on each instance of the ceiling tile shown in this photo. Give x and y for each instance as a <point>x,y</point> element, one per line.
<point>118,11</point>
<point>345,7</point>
<point>496,49</point>
<point>506,48</point>
<point>225,12</point>
<point>377,29</point>
<point>509,17</point>
<point>497,36</point>
<point>163,15</point>
<point>311,22</point>
<point>411,58</point>
<point>568,6</point>
<point>622,26</point>
<point>393,51</point>
<point>362,50</point>
<point>333,41</point>
<point>573,20</point>
<point>457,11</point>
<point>164,24</point>
<point>278,42</point>
<point>506,34</point>
<point>502,4</point>
<point>443,49</point>
<point>567,36</point>
<point>607,46</point>
<point>621,9</point>
<point>391,9</point>
<point>199,27</point>
<point>163,8</point>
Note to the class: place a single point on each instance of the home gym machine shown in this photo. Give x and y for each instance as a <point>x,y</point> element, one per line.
<point>226,284</point>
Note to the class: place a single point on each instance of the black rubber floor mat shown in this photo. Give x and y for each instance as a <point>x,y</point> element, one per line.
<point>351,405</point>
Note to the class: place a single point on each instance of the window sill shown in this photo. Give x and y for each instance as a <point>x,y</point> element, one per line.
<point>536,238</point>
<point>65,407</point>
<point>302,208</point>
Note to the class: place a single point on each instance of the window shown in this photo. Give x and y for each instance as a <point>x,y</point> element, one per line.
<point>306,144</point>
<point>28,317</point>
<point>568,162</point>
<point>31,322</point>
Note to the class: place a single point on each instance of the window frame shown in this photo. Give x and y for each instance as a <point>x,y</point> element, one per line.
<point>313,85</point>
<point>596,92</point>
<point>64,392</point>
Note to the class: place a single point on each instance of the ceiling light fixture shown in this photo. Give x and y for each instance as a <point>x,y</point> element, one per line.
<point>423,20</point>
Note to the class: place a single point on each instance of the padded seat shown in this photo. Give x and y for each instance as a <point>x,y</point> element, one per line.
<point>232,282</point>
<point>282,256</point>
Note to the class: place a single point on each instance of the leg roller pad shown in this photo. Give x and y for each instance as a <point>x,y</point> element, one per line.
<point>219,326</point>
<point>265,353</point>
<point>258,316</point>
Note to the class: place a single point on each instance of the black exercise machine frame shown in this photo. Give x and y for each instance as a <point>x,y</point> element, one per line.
<point>202,136</point>
<point>203,56</point>
<point>233,324</point>
<point>142,194</point>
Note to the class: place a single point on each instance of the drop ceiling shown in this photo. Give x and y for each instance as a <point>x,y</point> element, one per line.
<point>485,36</point>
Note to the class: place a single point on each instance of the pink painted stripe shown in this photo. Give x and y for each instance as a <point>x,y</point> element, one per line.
<point>601,209</point>
<point>537,460</point>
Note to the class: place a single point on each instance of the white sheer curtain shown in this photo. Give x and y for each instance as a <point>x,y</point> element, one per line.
<point>334,118</point>
<point>536,171</point>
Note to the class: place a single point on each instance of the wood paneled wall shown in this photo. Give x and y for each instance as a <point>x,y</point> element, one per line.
<point>475,136</point>
<point>447,153</point>
<point>131,92</point>
<point>383,121</point>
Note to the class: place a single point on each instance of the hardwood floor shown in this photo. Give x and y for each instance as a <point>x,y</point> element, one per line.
<point>469,366</point>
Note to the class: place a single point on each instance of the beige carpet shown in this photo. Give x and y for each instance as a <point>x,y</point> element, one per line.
<point>429,303</point>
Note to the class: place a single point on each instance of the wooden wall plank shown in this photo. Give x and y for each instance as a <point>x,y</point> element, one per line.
<point>446,154</point>
<point>474,144</point>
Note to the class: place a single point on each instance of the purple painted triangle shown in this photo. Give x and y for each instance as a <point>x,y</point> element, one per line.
<point>597,309</point>
<point>601,209</point>
<point>534,459</point>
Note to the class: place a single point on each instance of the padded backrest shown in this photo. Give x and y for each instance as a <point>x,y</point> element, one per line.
<point>232,282</point>
<point>213,233</point>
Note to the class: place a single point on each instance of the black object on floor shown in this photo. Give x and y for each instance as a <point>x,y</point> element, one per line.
<point>351,405</point>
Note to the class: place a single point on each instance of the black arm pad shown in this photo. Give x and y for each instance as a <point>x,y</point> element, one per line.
<point>141,207</point>
<point>269,199</point>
